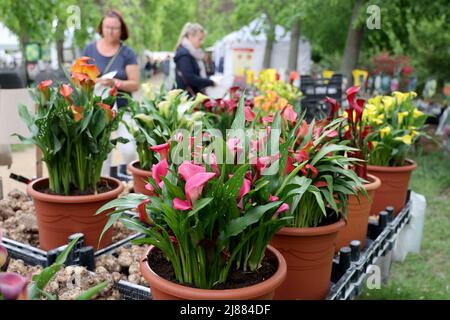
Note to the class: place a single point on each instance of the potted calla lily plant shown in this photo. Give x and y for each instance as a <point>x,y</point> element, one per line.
<point>72,127</point>
<point>316,190</point>
<point>208,222</point>
<point>397,123</point>
<point>356,133</point>
<point>155,119</point>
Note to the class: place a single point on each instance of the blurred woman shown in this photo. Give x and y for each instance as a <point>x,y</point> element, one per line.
<point>110,54</point>
<point>190,68</point>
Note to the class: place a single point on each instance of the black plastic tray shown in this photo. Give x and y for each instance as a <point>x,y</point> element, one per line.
<point>81,255</point>
<point>351,266</point>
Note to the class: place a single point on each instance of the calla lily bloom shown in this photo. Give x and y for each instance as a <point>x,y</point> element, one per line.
<point>44,85</point>
<point>182,205</point>
<point>210,159</point>
<point>289,166</point>
<point>289,114</point>
<point>81,65</point>
<point>246,185</point>
<point>12,285</point>
<point>77,113</point>
<point>303,129</point>
<point>143,215</point>
<point>158,170</point>
<point>284,207</point>
<point>162,149</point>
<point>3,255</point>
<point>110,114</point>
<point>187,170</point>
<point>44,88</point>
<point>194,185</point>
<point>249,114</point>
<point>66,90</point>
<point>334,107</point>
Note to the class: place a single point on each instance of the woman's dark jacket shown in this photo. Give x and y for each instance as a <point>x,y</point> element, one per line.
<point>188,66</point>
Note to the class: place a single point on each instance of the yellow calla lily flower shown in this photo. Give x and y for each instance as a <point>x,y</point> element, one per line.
<point>406,139</point>
<point>417,113</point>
<point>385,131</point>
<point>388,102</point>
<point>401,116</point>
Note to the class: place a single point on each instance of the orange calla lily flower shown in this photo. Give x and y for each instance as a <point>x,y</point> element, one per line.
<point>81,65</point>
<point>110,114</point>
<point>77,113</point>
<point>66,90</point>
<point>43,85</point>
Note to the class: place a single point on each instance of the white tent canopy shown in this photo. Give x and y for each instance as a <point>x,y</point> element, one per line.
<point>246,40</point>
<point>8,40</point>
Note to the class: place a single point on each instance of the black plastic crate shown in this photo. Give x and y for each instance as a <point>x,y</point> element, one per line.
<point>347,279</point>
<point>81,255</point>
<point>131,291</point>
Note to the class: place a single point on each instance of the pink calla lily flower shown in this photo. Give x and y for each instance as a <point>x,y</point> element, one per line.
<point>194,185</point>
<point>162,149</point>
<point>12,285</point>
<point>210,159</point>
<point>249,114</point>
<point>284,207</point>
<point>143,215</point>
<point>289,114</point>
<point>182,205</point>
<point>188,170</point>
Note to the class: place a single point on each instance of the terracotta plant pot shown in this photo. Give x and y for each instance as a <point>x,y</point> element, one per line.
<point>358,216</point>
<point>394,186</point>
<point>309,255</point>
<point>163,289</point>
<point>140,177</point>
<point>59,216</point>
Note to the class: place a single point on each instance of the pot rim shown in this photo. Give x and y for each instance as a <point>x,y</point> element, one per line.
<point>374,184</point>
<point>185,292</point>
<point>31,191</point>
<point>313,231</point>
<point>131,167</point>
<point>409,167</point>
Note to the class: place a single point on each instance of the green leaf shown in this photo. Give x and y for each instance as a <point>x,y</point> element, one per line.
<point>239,118</point>
<point>172,188</point>
<point>314,190</point>
<point>236,226</point>
<point>88,294</point>
<point>112,219</point>
<point>235,183</point>
<point>200,204</point>
<point>330,148</point>
<point>130,201</point>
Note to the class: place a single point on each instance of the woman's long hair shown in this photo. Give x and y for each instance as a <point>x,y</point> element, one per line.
<point>189,29</point>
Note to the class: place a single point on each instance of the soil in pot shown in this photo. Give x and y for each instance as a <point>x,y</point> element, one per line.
<point>236,278</point>
<point>102,187</point>
<point>163,289</point>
